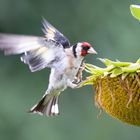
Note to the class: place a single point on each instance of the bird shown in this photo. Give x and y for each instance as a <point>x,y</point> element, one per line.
<point>51,50</point>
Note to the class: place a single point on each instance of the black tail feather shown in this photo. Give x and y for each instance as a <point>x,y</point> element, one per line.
<point>46,106</point>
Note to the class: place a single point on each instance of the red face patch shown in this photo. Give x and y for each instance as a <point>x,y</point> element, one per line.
<point>84,52</point>
<point>85,47</point>
<point>86,44</point>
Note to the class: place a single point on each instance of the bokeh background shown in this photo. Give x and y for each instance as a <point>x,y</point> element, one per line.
<point>108,25</point>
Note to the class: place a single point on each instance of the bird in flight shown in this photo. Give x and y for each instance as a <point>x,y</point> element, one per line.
<point>53,50</point>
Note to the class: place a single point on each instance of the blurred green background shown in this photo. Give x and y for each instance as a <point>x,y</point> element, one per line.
<point>108,25</point>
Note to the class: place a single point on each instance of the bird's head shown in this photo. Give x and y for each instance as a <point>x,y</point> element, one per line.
<point>82,49</point>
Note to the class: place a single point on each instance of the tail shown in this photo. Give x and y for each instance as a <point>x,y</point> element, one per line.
<point>48,106</point>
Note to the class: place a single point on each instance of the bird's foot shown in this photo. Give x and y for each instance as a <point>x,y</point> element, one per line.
<point>71,84</point>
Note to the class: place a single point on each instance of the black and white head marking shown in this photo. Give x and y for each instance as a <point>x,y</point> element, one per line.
<point>77,50</point>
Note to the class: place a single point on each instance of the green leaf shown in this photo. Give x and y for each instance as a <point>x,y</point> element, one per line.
<point>112,69</point>
<point>135,10</point>
<point>133,68</point>
<point>115,72</point>
<point>117,63</point>
<point>138,61</point>
<point>107,62</point>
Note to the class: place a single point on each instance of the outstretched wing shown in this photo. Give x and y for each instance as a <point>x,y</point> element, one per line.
<point>17,44</point>
<point>53,34</point>
<point>47,55</point>
<point>37,52</point>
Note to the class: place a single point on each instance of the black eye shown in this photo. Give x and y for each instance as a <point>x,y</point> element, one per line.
<point>86,48</point>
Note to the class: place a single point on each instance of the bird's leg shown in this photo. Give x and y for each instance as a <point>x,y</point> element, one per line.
<point>78,79</point>
<point>71,85</point>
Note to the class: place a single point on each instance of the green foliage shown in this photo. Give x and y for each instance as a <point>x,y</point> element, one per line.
<point>135,10</point>
<point>113,69</point>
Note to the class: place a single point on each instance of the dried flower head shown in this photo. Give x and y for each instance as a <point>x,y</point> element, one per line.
<point>117,89</point>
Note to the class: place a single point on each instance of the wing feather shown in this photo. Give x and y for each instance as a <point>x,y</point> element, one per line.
<point>37,52</point>
<point>53,34</point>
<point>17,44</point>
<point>43,57</point>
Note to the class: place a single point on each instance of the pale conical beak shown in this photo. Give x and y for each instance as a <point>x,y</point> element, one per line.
<point>91,51</point>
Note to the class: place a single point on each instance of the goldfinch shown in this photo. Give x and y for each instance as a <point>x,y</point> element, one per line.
<point>53,50</point>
